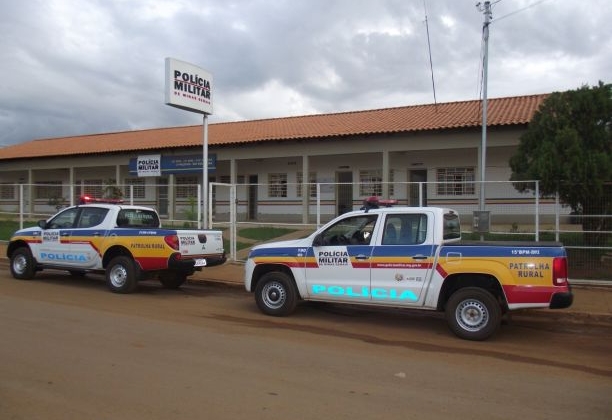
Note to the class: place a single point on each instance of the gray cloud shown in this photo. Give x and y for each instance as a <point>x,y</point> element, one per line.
<point>78,67</point>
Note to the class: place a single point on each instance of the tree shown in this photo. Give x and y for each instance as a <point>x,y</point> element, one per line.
<point>568,148</point>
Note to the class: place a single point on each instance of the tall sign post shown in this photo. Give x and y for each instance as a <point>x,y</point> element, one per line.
<point>189,87</point>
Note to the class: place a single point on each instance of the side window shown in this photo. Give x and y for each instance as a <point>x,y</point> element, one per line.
<point>393,225</point>
<point>137,218</point>
<point>91,217</point>
<point>452,228</point>
<point>64,220</point>
<point>405,229</point>
<point>355,230</point>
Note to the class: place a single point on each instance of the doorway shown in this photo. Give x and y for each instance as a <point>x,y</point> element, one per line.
<point>414,189</point>
<point>252,198</point>
<point>344,192</point>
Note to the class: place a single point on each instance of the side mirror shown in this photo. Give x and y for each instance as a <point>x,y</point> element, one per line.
<point>42,224</point>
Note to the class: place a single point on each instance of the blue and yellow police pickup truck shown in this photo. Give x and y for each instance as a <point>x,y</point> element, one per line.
<point>124,242</point>
<point>410,257</point>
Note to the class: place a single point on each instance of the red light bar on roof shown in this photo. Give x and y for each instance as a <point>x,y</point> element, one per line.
<point>373,202</point>
<point>85,199</point>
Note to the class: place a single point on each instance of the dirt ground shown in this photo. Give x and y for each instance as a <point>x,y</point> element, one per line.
<point>72,350</point>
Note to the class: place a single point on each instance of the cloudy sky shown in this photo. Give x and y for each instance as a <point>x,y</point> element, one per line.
<point>73,67</point>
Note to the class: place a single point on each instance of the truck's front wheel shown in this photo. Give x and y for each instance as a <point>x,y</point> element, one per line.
<point>122,275</point>
<point>23,265</point>
<point>473,313</point>
<point>275,294</point>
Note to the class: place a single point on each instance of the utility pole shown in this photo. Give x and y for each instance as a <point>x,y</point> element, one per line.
<point>486,9</point>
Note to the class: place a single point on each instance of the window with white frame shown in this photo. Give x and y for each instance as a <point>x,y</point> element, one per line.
<point>187,186</point>
<point>90,187</point>
<point>455,181</point>
<point>370,182</point>
<point>277,185</point>
<point>48,190</point>
<point>7,191</point>
<point>312,184</point>
<point>137,185</point>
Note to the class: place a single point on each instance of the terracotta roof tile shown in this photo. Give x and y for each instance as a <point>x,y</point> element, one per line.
<point>444,116</point>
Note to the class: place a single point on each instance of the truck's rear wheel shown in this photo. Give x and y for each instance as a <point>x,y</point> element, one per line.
<point>122,275</point>
<point>473,313</point>
<point>275,294</point>
<point>23,265</point>
<point>172,280</point>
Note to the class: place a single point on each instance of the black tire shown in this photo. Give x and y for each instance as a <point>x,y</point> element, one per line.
<point>473,313</point>
<point>172,280</point>
<point>122,275</point>
<point>23,265</point>
<point>275,294</point>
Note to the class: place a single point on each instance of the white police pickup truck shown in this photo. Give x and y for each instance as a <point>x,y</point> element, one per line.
<point>413,258</point>
<point>126,243</point>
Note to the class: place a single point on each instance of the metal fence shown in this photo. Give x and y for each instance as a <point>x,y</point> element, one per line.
<point>506,215</point>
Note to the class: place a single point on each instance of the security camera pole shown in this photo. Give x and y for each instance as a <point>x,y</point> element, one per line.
<point>190,88</point>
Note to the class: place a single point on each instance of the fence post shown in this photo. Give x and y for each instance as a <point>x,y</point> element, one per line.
<point>557,225</point>
<point>318,205</point>
<point>233,228</point>
<point>199,210</point>
<point>537,212</point>
<point>21,206</point>
<point>420,194</point>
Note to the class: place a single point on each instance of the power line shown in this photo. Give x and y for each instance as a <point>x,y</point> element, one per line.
<point>433,83</point>
<point>520,10</point>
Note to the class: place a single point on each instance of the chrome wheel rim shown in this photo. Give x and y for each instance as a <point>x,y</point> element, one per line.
<point>274,295</point>
<point>472,315</point>
<point>20,264</point>
<point>118,276</point>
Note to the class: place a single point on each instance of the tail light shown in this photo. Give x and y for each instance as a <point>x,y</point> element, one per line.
<point>559,271</point>
<point>172,241</point>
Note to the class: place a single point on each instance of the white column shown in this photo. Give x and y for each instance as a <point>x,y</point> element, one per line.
<point>71,184</point>
<point>385,174</point>
<point>30,191</point>
<point>305,189</point>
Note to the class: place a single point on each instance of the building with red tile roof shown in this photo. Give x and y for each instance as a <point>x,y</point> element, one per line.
<point>390,147</point>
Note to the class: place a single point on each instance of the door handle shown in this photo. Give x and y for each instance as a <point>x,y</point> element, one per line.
<point>419,257</point>
<point>361,257</point>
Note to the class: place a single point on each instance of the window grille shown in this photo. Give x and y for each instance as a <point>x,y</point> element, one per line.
<point>277,185</point>
<point>138,187</point>
<point>312,184</point>
<point>186,186</point>
<point>455,181</point>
